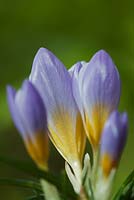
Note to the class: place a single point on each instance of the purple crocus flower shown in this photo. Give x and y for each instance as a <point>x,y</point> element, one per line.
<point>65,125</point>
<point>96,88</point>
<point>113,141</point>
<point>29,115</point>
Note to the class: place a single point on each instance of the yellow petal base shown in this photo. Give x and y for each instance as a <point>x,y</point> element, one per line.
<point>94,125</point>
<point>107,164</point>
<point>38,149</point>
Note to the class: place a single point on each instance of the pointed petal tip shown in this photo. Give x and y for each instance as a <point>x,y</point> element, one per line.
<point>43,59</point>
<point>123,117</point>
<point>27,84</point>
<point>102,56</point>
<point>29,88</point>
<point>9,88</point>
<point>42,51</point>
<point>10,92</point>
<point>76,67</point>
<point>102,52</point>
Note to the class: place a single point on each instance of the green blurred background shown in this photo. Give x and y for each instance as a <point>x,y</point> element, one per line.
<point>74,30</point>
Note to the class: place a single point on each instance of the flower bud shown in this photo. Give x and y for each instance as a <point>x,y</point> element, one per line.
<point>113,141</point>
<point>29,115</point>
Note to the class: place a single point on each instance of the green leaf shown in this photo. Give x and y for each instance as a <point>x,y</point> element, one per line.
<point>38,196</point>
<point>28,184</point>
<point>126,190</point>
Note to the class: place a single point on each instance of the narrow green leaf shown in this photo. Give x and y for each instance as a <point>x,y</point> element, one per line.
<point>126,190</point>
<point>21,183</point>
<point>35,197</point>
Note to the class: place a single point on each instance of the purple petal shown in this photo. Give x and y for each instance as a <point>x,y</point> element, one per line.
<point>76,67</point>
<point>74,72</point>
<point>31,108</point>
<point>100,82</point>
<point>53,82</point>
<point>14,112</point>
<point>99,86</point>
<point>27,109</point>
<point>29,115</point>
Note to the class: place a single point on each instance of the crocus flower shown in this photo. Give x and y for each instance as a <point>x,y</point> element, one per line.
<point>29,115</point>
<point>53,82</point>
<point>113,141</point>
<point>96,88</point>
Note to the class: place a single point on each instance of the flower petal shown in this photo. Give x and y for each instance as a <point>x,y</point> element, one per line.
<point>53,82</point>
<point>31,108</point>
<point>15,115</point>
<point>99,85</point>
<point>29,116</point>
<point>74,72</point>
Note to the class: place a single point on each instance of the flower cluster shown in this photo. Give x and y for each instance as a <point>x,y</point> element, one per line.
<point>69,106</point>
